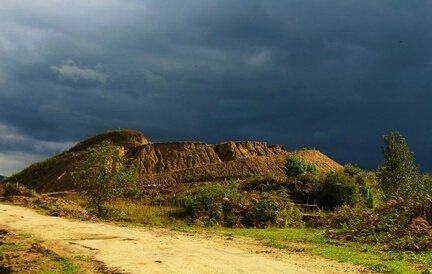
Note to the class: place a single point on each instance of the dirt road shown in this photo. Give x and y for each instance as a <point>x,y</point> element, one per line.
<point>141,250</point>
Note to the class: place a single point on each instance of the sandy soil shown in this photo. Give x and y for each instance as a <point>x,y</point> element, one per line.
<point>142,250</point>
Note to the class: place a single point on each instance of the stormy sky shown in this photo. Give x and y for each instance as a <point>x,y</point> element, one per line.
<point>333,75</point>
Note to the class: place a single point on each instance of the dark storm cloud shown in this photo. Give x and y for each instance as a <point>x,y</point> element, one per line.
<point>335,75</point>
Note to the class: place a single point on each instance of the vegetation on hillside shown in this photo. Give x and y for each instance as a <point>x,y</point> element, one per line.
<point>295,166</point>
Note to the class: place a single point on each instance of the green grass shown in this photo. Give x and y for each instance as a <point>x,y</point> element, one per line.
<point>6,247</point>
<point>312,241</point>
<point>67,266</point>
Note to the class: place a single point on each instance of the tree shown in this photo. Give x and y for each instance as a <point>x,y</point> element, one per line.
<point>104,173</point>
<point>295,167</point>
<point>398,175</point>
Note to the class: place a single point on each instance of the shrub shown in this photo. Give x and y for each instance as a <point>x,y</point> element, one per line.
<point>351,186</point>
<point>295,167</point>
<point>210,201</point>
<point>399,223</point>
<point>216,204</point>
<point>273,209</point>
<point>336,190</point>
<point>17,189</point>
<point>347,217</point>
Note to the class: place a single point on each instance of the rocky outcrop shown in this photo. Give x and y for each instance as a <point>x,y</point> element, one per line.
<point>174,162</point>
<point>168,157</point>
<point>239,150</point>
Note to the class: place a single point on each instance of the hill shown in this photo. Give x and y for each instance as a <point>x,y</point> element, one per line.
<point>2,177</point>
<point>170,163</point>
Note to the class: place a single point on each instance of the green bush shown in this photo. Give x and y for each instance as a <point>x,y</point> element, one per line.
<point>273,209</point>
<point>226,205</point>
<point>347,217</point>
<point>352,187</point>
<point>295,167</point>
<point>399,223</point>
<point>17,189</point>
<point>336,190</point>
<point>211,201</point>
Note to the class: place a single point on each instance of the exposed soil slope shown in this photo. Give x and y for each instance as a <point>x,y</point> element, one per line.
<point>138,250</point>
<point>174,162</point>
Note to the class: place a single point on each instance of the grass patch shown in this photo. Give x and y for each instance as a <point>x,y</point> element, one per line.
<point>20,253</point>
<point>137,212</point>
<point>67,266</point>
<point>8,247</point>
<point>374,257</point>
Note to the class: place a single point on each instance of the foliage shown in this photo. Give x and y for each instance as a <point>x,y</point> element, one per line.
<point>337,189</point>
<point>104,173</point>
<point>352,187</point>
<point>216,204</point>
<point>399,223</point>
<point>398,175</point>
<point>424,187</point>
<point>212,201</point>
<point>295,166</point>
<point>272,208</point>
<point>265,183</point>
<point>347,216</point>
<point>403,220</point>
<point>17,189</point>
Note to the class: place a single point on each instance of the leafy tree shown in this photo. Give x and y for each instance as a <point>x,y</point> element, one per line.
<point>398,175</point>
<point>295,167</point>
<point>103,173</point>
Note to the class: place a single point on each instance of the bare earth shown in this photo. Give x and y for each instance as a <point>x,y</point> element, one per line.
<point>143,250</point>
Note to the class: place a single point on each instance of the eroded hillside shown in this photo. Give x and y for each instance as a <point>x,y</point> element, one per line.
<point>174,162</point>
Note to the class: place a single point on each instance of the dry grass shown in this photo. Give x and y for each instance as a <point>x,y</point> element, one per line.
<point>144,212</point>
<point>135,211</point>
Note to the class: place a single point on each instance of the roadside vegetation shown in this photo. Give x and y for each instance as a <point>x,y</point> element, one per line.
<point>380,219</point>
<point>21,253</point>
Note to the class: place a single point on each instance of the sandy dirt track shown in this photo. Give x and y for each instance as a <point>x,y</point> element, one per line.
<point>142,250</point>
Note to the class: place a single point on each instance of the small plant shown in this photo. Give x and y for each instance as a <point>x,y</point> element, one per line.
<point>295,167</point>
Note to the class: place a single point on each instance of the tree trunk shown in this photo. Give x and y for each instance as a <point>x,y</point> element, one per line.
<point>99,208</point>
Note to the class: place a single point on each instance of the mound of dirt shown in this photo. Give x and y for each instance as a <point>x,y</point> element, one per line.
<point>321,161</point>
<point>173,162</point>
<point>125,138</point>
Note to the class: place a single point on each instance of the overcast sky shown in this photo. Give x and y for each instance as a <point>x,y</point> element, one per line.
<point>333,75</point>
